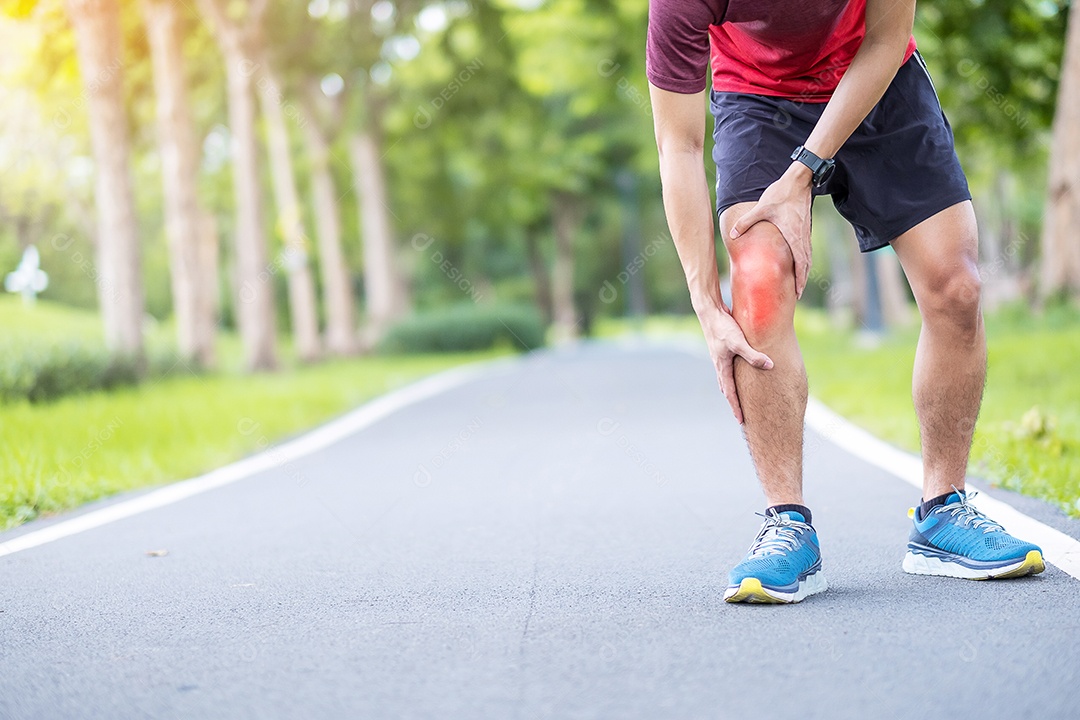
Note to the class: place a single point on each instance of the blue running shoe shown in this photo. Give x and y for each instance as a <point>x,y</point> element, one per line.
<point>782,566</point>
<point>957,540</point>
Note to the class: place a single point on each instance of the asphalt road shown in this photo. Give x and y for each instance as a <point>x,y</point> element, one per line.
<point>549,541</point>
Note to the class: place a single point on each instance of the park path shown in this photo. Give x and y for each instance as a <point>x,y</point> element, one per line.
<point>549,540</point>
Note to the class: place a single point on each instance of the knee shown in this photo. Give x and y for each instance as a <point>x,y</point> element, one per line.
<point>762,282</point>
<point>951,301</point>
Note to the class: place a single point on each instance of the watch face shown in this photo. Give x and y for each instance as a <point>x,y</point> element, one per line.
<point>826,173</point>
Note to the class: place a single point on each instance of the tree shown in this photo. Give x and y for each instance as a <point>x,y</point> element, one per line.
<point>385,295</point>
<point>254,274</point>
<point>1061,221</point>
<point>337,290</point>
<point>119,276</point>
<point>589,118</point>
<point>303,307</point>
<point>566,217</point>
<point>190,244</point>
<point>303,51</point>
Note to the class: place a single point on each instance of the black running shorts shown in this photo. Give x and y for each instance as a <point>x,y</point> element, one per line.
<point>897,169</point>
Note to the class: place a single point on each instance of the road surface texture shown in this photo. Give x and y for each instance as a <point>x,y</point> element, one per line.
<point>550,540</point>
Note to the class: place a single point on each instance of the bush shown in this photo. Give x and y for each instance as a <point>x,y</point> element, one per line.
<point>467,327</point>
<point>48,372</point>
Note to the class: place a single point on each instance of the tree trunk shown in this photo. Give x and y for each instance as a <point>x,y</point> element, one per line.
<point>209,289</point>
<point>385,293</point>
<point>337,288</point>
<point>254,275</point>
<point>1061,237</point>
<point>892,285</point>
<point>567,217</point>
<point>303,306</point>
<point>873,321</point>
<point>860,300</point>
<point>840,286</point>
<point>119,272</point>
<point>999,246</point>
<point>255,312</point>
<point>179,150</point>
<point>636,299</point>
<point>539,270</point>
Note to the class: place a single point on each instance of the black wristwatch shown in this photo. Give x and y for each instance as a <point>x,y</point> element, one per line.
<point>821,168</point>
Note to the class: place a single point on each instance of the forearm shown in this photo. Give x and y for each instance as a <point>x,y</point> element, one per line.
<point>865,81</point>
<point>690,220</point>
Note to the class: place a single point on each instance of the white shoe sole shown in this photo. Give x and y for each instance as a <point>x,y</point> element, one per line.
<point>915,564</point>
<point>750,590</point>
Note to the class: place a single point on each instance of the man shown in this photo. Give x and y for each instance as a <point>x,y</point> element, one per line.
<point>810,98</point>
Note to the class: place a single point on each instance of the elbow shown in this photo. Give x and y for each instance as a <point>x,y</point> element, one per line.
<point>891,45</point>
<point>673,146</point>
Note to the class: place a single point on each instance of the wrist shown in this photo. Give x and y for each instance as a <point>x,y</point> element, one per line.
<point>799,173</point>
<point>820,169</point>
<point>707,304</point>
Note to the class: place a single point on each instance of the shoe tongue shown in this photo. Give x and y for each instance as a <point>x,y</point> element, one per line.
<point>793,515</point>
<point>953,498</point>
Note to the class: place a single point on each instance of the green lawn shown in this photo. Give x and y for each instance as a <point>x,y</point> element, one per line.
<point>56,456</point>
<point>1028,435</point>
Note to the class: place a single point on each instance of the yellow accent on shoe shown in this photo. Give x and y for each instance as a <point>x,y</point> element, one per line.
<point>911,513</point>
<point>1033,565</point>
<point>750,590</point>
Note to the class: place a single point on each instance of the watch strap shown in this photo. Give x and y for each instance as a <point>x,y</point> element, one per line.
<point>818,166</point>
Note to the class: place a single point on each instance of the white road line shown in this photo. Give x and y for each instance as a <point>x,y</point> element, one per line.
<point>1058,548</point>
<point>318,439</point>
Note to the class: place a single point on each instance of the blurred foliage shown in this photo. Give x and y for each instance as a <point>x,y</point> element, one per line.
<point>485,110</point>
<point>47,373</point>
<point>466,327</point>
<point>996,65</point>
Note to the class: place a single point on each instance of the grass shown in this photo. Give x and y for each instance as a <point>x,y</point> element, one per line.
<point>1028,435</point>
<point>59,455</point>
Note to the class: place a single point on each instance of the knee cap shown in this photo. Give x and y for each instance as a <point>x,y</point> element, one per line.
<point>762,286</point>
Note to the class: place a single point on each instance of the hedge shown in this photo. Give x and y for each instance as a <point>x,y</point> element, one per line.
<point>467,327</point>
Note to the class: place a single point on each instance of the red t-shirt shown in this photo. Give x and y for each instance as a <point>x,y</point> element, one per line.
<point>797,49</point>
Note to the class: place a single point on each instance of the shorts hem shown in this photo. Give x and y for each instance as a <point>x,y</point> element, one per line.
<point>909,223</point>
<point>739,199</point>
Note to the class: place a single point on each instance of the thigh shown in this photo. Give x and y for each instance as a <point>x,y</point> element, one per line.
<point>730,215</point>
<point>941,248</point>
<point>764,234</point>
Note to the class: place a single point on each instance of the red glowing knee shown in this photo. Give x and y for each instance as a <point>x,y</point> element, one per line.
<point>762,288</point>
<point>764,307</point>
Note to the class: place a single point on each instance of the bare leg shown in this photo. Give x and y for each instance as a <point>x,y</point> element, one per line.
<point>773,401</point>
<point>940,259</point>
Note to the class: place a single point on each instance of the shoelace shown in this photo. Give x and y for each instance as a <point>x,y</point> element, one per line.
<point>968,514</point>
<point>777,535</point>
